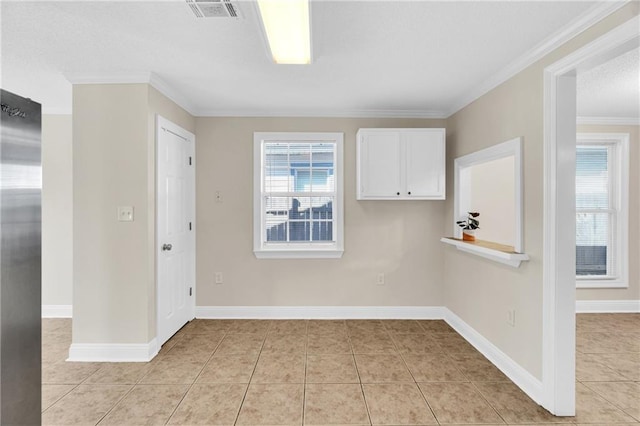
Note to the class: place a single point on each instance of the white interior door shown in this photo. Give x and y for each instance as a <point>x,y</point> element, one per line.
<point>175,236</point>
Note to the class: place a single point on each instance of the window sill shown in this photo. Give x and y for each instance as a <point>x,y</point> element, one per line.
<point>298,254</point>
<point>600,284</point>
<point>492,251</point>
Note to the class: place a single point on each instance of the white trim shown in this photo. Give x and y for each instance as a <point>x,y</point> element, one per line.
<point>593,15</point>
<point>514,371</point>
<point>512,147</point>
<point>319,113</point>
<point>329,250</point>
<point>320,312</point>
<point>142,77</point>
<point>607,306</point>
<point>558,306</point>
<point>113,352</point>
<point>57,311</point>
<point>609,121</point>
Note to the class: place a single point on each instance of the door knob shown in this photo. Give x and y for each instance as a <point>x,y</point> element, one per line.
<point>166,247</point>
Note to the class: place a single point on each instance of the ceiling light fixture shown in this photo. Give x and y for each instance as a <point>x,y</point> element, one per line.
<point>286,23</point>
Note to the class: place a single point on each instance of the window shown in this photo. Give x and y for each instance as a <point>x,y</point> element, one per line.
<point>298,195</point>
<point>602,169</point>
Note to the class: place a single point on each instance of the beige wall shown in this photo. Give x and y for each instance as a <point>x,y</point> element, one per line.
<point>399,238</point>
<point>480,291</point>
<point>114,165</point>
<point>633,292</point>
<point>57,210</point>
<point>493,196</point>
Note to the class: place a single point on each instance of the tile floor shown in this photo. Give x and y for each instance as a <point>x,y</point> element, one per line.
<point>250,372</point>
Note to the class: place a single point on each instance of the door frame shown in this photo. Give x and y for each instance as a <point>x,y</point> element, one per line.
<point>559,289</point>
<point>163,124</point>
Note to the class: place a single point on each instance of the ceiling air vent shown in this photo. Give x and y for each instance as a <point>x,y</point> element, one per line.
<point>214,8</point>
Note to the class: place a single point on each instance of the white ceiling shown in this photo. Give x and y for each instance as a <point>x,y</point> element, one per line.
<point>394,58</point>
<point>611,89</point>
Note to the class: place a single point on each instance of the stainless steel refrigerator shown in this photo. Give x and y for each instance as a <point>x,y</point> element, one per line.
<point>20,264</point>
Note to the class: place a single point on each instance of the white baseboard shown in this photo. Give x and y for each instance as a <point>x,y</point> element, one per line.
<point>113,352</point>
<point>320,312</point>
<point>607,306</point>
<point>518,375</point>
<point>57,311</point>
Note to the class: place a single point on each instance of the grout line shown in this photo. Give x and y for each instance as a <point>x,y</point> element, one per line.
<point>196,378</point>
<point>255,366</point>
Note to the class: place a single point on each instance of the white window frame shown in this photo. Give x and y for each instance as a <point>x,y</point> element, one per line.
<point>619,172</point>
<point>312,250</point>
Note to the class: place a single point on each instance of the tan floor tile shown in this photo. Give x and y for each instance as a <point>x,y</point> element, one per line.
<point>279,369</point>
<point>169,344</point>
<point>200,326</point>
<point>211,404</point>
<point>249,326</point>
<point>327,327</point>
<point>435,367</point>
<point>52,393</point>
<point>605,342</point>
<point>592,408</point>
<point>452,343</point>
<point>382,369</point>
<point>435,326</point>
<point>334,404</point>
<point>621,394</point>
<point>458,403</point>
<point>365,326</point>
<point>331,369</point>
<point>272,404</point>
<point>415,343</point>
<point>228,369</point>
<point>402,326</point>
<point>397,404</point>
<point>56,325</point>
<point>288,327</point>
<point>590,370</point>
<point>240,344</point>
<point>476,367</point>
<point>86,404</point>
<point>627,364</point>
<point>285,344</point>
<point>146,405</point>
<point>609,323</point>
<point>68,373</point>
<point>373,344</point>
<point>328,344</point>
<point>54,355</point>
<point>172,372</point>
<point>120,373</point>
<point>513,405</point>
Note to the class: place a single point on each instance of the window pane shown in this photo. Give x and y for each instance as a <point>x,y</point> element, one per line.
<point>592,239</point>
<point>592,177</point>
<point>291,219</point>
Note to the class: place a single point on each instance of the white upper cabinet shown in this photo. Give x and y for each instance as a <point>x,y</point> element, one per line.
<point>401,164</point>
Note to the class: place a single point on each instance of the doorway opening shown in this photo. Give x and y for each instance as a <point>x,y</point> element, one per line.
<point>559,274</point>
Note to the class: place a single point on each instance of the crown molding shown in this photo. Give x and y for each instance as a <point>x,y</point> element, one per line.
<point>589,18</point>
<point>321,113</point>
<point>142,77</point>
<point>609,121</point>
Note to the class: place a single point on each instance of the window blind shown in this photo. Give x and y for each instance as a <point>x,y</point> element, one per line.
<point>596,212</point>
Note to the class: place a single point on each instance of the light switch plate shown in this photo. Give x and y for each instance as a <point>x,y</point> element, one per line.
<point>125,213</point>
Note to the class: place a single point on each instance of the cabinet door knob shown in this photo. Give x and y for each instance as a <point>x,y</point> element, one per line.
<point>409,192</point>
<point>397,193</point>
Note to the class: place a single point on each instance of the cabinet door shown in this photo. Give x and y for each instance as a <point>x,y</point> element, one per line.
<point>425,161</point>
<point>380,172</point>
